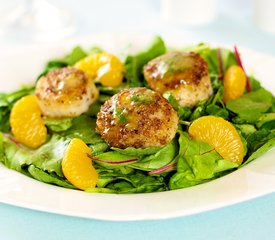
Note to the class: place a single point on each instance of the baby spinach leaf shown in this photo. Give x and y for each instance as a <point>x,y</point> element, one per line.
<point>134,63</point>
<point>261,150</point>
<point>255,84</point>
<point>184,177</point>
<point>113,159</point>
<point>49,156</point>
<point>137,151</point>
<point>100,190</point>
<point>99,147</point>
<point>7,100</point>
<point>199,110</point>
<point>134,181</point>
<point>140,183</point>
<point>217,111</point>
<point>251,106</point>
<point>58,125</point>
<point>169,96</point>
<point>266,121</point>
<point>69,59</point>
<point>83,127</point>
<point>16,155</point>
<point>210,55</point>
<point>246,129</point>
<point>110,90</point>
<point>198,162</point>
<point>43,176</point>
<point>159,159</point>
<point>75,55</point>
<point>2,149</point>
<point>259,138</point>
<point>94,109</point>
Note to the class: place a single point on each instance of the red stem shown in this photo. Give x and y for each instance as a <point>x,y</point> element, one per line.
<point>13,140</point>
<point>239,61</point>
<point>163,169</point>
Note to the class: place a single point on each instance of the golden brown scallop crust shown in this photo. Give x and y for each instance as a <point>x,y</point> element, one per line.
<point>137,117</point>
<point>62,85</point>
<point>184,74</point>
<point>65,92</point>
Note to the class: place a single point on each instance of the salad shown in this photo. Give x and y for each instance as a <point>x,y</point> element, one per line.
<point>157,120</point>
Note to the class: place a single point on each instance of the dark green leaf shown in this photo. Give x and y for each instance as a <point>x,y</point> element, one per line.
<point>134,63</point>
<point>259,138</point>
<point>245,129</point>
<point>252,105</point>
<point>83,127</point>
<point>217,111</point>
<point>161,158</point>
<point>261,150</point>
<point>48,178</point>
<point>198,162</point>
<point>7,100</point>
<point>266,121</point>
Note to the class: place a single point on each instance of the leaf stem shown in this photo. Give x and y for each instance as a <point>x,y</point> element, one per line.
<point>186,123</point>
<point>132,160</point>
<point>163,169</point>
<point>239,61</point>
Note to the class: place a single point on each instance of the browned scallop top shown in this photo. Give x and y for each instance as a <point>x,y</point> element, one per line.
<point>62,85</point>
<point>174,69</point>
<point>137,117</point>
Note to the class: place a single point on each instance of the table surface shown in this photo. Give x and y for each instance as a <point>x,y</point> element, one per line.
<point>254,219</point>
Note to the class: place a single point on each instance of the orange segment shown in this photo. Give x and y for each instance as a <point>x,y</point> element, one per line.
<point>77,165</point>
<point>105,67</point>
<point>26,122</point>
<point>234,83</point>
<point>221,135</point>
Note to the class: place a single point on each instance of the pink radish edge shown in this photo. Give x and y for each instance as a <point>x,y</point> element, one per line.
<point>163,169</point>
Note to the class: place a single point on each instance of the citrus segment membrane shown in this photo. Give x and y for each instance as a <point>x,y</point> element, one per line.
<point>234,83</point>
<point>105,67</point>
<point>77,165</point>
<point>221,135</point>
<point>26,122</point>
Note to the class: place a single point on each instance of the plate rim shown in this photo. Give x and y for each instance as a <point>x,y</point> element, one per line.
<point>8,195</point>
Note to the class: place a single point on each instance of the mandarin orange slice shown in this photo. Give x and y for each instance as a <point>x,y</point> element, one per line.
<point>77,165</point>
<point>234,83</point>
<point>26,122</point>
<point>105,67</point>
<point>221,135</point>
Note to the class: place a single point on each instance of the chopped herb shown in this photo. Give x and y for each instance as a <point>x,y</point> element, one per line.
<point>123,119</point>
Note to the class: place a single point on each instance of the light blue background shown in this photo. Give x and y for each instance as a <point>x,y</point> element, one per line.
<point>254,219</point>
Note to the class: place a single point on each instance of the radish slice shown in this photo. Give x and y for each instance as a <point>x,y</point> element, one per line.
<point>163,169</point>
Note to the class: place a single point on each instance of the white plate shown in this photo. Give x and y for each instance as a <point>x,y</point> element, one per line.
<point>258,178</point>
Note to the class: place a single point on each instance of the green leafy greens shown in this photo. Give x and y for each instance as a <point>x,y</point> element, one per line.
<point>183,162</point>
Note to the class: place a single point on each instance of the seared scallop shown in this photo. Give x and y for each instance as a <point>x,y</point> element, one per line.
<point>137,117</point>
<point>183,74</point>
<point>66,92</point>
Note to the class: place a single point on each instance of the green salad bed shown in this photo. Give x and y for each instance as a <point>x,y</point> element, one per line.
<point>183,162</point>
